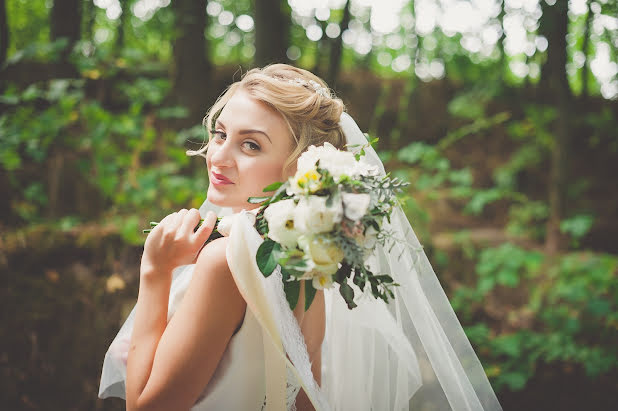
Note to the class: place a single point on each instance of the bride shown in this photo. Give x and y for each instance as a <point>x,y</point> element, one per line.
<point>209,332</point>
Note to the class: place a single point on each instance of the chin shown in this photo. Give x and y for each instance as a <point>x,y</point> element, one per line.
<point>221,200</point>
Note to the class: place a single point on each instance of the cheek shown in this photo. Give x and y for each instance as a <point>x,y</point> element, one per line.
<point>269,173</point>
<point>209,152</point>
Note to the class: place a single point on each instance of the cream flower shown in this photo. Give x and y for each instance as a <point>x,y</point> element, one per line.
<point>322,252</point>
<point>305,182</point>
<point>320,282</point>
<point>281,226</point>
<point>313,216</point>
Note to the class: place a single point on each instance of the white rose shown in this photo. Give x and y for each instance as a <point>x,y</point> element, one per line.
<point>313,216</point>
<point>307,160</point>
<point>355,205</point>
<point>281,226</point>
<point>362,168</point>
<point>337,162</point>
<point>322,252</point>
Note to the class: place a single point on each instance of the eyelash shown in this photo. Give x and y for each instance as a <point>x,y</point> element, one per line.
<point>252,146</point>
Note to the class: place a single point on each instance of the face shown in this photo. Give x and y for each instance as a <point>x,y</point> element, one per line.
<point>247,151</point>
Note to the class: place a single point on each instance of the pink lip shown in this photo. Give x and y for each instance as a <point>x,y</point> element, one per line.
<point>218,179</point>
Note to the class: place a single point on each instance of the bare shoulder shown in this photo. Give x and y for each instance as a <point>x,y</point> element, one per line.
<point>214,280</point>
<point>213,255</point>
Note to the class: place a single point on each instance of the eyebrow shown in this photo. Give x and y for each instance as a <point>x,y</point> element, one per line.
<point>249,131</point>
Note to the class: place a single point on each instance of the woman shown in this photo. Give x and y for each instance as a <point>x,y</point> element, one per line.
<point>217,335</point>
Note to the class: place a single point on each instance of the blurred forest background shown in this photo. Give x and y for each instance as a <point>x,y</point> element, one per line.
<point>503,114</point>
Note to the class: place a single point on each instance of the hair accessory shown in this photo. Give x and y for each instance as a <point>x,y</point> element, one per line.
<point>313,84</point>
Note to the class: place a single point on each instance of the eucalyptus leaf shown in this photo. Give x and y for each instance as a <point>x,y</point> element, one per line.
<point>348,294</point>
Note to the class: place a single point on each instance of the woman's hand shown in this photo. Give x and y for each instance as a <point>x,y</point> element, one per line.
<point>173,242</point>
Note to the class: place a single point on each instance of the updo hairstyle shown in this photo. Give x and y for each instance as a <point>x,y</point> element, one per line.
<point>312,116</point>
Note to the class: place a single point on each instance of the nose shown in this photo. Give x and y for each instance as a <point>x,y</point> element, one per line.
<point>221,155</point>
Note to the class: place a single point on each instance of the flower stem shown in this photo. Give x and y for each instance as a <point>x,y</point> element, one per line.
<point>153,224</point>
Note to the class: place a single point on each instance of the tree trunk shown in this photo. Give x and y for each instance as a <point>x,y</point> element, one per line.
<point>89,15</point>
<point>554,85</point>
<point>120,31</point>
<point>322,48</point>
<point>65,22</point>
<point>336,50</point>
<point>191,69</point>
<point>585,51</point>
<point>4,33</point>
<point>554,26</point>
<point>271,32</point>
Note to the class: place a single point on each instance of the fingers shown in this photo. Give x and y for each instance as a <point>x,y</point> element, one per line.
<point>202,233</point>
<point>189,222</point>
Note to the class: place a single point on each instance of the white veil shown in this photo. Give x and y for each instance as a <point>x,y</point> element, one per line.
<point>411,353</point>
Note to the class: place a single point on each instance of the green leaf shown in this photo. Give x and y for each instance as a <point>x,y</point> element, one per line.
<point>292,292</point>
<point>514,380</point>
<point>348,294</point>
<point>272,187</point>
<point>257,200</point>
<point>309,294</point>
<point>344,272</point>
<point>266,256</point>
<point>577,226</point>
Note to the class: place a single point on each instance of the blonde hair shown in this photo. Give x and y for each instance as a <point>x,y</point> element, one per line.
<point>312,115</point>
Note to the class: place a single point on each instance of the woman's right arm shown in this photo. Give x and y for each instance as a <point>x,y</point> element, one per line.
<point>169,364</point>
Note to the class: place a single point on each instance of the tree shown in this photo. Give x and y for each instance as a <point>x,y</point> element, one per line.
<point>65,22</point>
<point>89,13</point>
<point>191,68</point>
<point>334,64</point>
<point>554,85</point>
<point>585,50</point>
<point>4,33</point>
<point>120,32</point>
<point>272,27</point>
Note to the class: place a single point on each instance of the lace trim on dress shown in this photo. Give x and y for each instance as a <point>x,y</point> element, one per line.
<point>293,340</point>
<point>292,388</point>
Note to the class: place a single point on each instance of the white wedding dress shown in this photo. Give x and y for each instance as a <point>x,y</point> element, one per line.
<point>238,383</point>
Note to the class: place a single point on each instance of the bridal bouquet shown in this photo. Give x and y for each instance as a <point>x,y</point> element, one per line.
<point>322,223</point>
